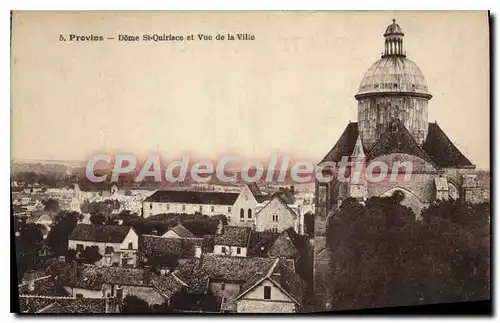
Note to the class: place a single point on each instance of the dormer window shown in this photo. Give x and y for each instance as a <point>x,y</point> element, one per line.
<point>130,246</point>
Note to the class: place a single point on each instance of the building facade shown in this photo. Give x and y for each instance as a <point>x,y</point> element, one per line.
<point>393,129</point>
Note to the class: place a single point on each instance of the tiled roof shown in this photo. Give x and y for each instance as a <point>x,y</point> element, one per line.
<point>260,242</point>
<point>233,236</point>
<point>30,304</point>
<point>283,277</point>
<point>286,195</point>
<point>45,286</point>
<point>150,246</point>
<point>397,139</point>
<point>92,277</point>
<point>167,285</point>
<point>262,198</point>
<point>190,197</point>
<point>289,244</point>
<point>99,233</point>
<point>442,150</point>
<point>54,308</point>
<point>254,188</point>
<point>345,144</point>
<point>182,232</point>
<point>437,149</point>
<point>232,268</point>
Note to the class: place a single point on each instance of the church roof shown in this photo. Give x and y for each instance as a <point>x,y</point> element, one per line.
<point>397,139</point>
<point>345,144</point>
<point>437,149</point>
<point>442,150</point>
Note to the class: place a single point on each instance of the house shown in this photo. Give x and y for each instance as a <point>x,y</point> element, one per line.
<point>154,249</point>
<point>179,231</point>
<point>239,208</point>
<point>98,282</point>
<point>277,215</point>
<point>261,242</point>
<point>117,244</point>
<point>232,241</point>
<point>228,275</point>
<point>276,289</point>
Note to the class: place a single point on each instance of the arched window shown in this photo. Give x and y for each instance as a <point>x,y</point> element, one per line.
<point>249,213</point>
<point>242,214</point>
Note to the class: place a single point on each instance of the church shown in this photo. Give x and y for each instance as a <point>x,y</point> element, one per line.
<point>392,126</point>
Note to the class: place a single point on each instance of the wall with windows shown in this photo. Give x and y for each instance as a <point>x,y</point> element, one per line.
<point>153,208</point>
<point>244,209</point>
<point>109,251</point>
<point>230,251</point>
<point>276,216</point>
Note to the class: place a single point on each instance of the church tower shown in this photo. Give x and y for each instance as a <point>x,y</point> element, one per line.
<point>392,88</point>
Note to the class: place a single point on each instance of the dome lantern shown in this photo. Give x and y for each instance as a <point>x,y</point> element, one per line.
<point>393,40</point>
<point>392,88</point>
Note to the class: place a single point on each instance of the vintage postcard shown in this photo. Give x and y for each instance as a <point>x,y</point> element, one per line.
<point>249,162</point>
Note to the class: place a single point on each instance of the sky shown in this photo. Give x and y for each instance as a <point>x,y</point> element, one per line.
<point>289,90</point>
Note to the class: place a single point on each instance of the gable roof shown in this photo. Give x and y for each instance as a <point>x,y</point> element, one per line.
<point>93,277</point>
<point>442,150</point>
<point>100,233</point>
<point>397,139</point>
<point>151,246</point>
<point>280,199</point>
<point>437,149</point>
<point>260,242</point>
<point>226,268</point>
<point>233,236</point>
<point>254,188</point>
<point>286,195</point>
<point>345,144</point>
<point>191,197</point>
<point>283,277</point>
<point>289,244</point>
<point>182,232</point>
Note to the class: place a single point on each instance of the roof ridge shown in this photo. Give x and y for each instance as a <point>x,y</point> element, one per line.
<point>179,280</point>
<point>407,133</point>
<point>273,267</point>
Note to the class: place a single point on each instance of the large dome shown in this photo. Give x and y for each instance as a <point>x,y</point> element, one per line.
<point>393,74</point>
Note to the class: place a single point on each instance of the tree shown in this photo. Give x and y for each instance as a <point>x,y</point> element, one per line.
<point>70,255</point>
<point>381,256</point>
<point>134,304</point>
<point>90,255</point>
<point>51,205</point>
<point>28,239</point>
<point>97,219</point>
<point>62,226</point>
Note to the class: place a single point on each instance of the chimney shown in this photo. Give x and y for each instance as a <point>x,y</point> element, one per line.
<point>110,302</point>
<point>75,270</point>
<point>31,285</point>
<point>220,226</point>
<point>119,300</point>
